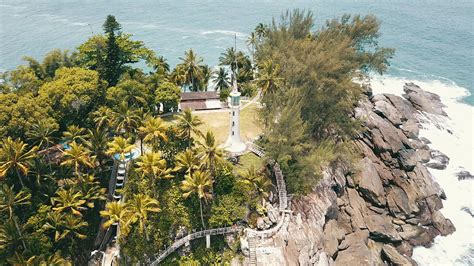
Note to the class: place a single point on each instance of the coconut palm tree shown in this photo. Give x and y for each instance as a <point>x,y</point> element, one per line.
<point>76,156</point>
<point>259,182</point>
<point>210,153</point>
<point>187,124</point>
<point>102,116</point>
<point>116,213</point>
<point>121,146</point>
<point>96,142</point>
<point>64,225</point>
<point>199,183</point>
<point>15,156</point>
<point>206,75</point>
<point>41,134</point>
<point>160,65</point>
<point>9,201</point>
<point>9,236</point>
<point>140,205</point>
<point>191,64</point>
<point>74,133</point>
<point>154,167</point>
<point>261,31</point>
<point>126,119</point>
<point>252,41</point>
<point>178,76</point>
<point>90,189</point>
<point>229,58</point>
<point>187,161</point>
<point>153,130</point>
<point>221,79</point>
<point>68,200</point>
<point>268,80</point>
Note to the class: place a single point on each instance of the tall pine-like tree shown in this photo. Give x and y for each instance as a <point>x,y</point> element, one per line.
<point>112,59</point>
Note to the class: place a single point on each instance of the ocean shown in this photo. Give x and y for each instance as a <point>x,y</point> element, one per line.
<point>434,42</point>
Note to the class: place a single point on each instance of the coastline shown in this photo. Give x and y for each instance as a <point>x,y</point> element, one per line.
<point>376,232</point>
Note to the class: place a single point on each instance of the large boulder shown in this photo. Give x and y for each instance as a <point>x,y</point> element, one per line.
<point>369,183</point>
<point>332,235</point>
<point>381,228</point>
<point>359,209</point>
<point>408,159</point>
<point>423,100</point>
<point>443,225</point>
<point>464,175</point>
<point>395,258</point>
<point>357,251</point>
<point>438,161</point>
<point>383,108</point>
<point>403,106</point>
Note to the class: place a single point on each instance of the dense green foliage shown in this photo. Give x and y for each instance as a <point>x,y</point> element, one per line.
<point>63,119</point>
<point>308,80</point>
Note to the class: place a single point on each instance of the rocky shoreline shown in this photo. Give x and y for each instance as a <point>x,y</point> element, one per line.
<point>378,213</point>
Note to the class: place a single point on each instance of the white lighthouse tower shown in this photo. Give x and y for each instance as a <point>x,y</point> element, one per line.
<point>234,144</point>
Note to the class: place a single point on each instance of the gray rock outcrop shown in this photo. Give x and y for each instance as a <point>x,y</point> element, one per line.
<point>377,211</point>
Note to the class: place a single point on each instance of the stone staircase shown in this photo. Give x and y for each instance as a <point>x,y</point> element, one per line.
<point>252,251</point>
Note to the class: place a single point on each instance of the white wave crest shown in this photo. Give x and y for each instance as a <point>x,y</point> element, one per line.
<point>239,35</point>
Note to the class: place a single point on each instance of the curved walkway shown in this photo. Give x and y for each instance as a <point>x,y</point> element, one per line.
<point>178,243</point>
<point>283,219</point>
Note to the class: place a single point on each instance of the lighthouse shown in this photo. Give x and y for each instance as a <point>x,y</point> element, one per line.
<point>234,144</point>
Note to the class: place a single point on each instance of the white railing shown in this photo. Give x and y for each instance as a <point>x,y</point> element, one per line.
<point>178,243</point>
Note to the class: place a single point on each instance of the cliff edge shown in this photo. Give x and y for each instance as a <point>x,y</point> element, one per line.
<point>376,214</point>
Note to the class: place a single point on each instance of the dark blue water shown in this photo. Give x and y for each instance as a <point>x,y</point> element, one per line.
<point>433,39</point>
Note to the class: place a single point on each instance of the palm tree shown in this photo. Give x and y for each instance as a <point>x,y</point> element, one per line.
<point>160,65</point>
<point>41,134</point>
<point>191,64</point>
<point>64,224</point>
<point>116,213</point>
<point>221,79</point>
<point>8,235</point>
<point>102,116</point>
<point>125,119</point>
<point>268,80</point>
<point>153,166</point>
<point>178,76</point>
<point>121,146</point>
<point>68,200</point>
<point>210,153</point>
<point>187,161</point>
<point>153,130</point>
<point>140,205</point>
<point>9,200</point>
<point>74,133</point>
<point>206,75</point>
<point>96,142</point>
<point>90,189</point>
<point>187,124</point>
<point>261,31</point>
<point>15,156</point>
<point>229,58</point>
<point>200,183</point>
<point>78,156</point>
<point>259,182</point>
<point>252,41</point>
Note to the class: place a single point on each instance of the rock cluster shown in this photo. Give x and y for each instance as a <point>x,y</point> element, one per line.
<point>377,213</point>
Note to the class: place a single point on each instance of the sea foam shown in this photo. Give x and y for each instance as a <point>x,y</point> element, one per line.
<point>452,135</point>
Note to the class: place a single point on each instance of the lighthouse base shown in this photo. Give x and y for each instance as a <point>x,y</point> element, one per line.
<point>235,147</point>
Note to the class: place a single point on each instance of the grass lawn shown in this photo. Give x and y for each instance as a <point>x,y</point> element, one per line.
<point>219,123</point>
<point>246,161</point>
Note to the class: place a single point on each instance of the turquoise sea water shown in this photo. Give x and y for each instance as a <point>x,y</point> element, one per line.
<point>433,39</point>
<point>434,42</point>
